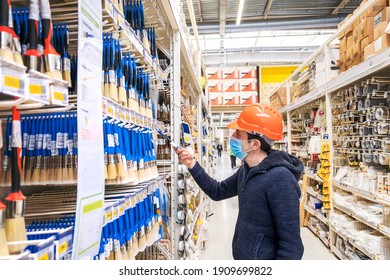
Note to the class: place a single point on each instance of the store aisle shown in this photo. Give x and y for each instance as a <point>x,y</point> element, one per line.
<point>222,222</point>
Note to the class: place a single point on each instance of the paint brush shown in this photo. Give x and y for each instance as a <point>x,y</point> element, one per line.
<point>51,58</point>
<point>15,225</point>
<point>3,240</point>
<point>16,48</point>
<point>6,33</point>
<point>32,56</point>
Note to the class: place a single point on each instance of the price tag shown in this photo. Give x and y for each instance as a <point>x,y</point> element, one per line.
<point>60,94</point>
<point>127,115</point>
<point>44,257</point>
<point>39,90</point>
<point>107,215</point>
<point>117,111</point>
<point>132,117</point>
<point>110,108</point>
<point>122,114</point>
<point>128,203</point>
<point>121,208</point>
<point>63,247</point>
<point>104,106</point>
<point>12,82</point>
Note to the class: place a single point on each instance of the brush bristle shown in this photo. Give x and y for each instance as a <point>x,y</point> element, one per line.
<point>7,54</point>
<point>55,74</point>
<point>18,58</point>
<point>111,172</point>
<point>134,105</point>
<point>105,172</point>
<point>122,96</point>
<point>15,230</point>
<point>66,76</point>
<point>120,169</point>
<point>131,174</point>
<point>142,110</point>
<point>36,176</point>
<point>113,92</point>
<point>142,243</point>
<point>3,243</point>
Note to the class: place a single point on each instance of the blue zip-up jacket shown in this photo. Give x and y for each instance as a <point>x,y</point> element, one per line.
<point>267,226</point>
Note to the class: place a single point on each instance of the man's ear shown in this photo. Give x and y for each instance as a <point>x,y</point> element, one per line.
<point>256,144</point>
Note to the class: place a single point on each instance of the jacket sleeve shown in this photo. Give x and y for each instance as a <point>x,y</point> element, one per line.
<point>283,197</point>
<point>214,189</point>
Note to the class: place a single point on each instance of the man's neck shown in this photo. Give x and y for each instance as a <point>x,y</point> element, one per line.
<point>256,158</point>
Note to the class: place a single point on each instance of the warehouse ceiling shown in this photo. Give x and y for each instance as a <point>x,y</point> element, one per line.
<point>270,31</point>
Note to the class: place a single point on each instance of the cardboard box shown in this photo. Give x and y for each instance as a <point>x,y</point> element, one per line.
<point>343,45</point>
<point>378,6</point>
<point>349,56</point>
<point>382,43</point>
<point>380,30</point>
<point>339,26</point>
<point>369,51</point>
<point>363,44</point>
<point>356,52</point>
<point>366,27</point>
<point>349,39</point>
<point>382,16</point>
<point>356,35</point>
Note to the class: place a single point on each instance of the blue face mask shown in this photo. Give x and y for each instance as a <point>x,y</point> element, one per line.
<point>236,146</point>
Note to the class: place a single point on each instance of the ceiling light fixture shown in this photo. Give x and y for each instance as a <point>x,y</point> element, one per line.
<point>240,8</point>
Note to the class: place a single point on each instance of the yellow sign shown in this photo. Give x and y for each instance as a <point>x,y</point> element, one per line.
<point>59,96</point>
<point>11,82</point>
<point>35,89</point>
<point>62,248</point>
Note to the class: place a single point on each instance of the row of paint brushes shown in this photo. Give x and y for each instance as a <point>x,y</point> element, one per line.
<point>50,149</point>
<point>34,27</point>
<point>123,82</point>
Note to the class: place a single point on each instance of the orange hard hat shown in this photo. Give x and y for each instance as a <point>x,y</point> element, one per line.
<point>260,119</point>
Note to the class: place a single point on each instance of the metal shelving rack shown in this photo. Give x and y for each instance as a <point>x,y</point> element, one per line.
<point>375,65</point>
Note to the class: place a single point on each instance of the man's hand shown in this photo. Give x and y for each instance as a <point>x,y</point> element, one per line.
<point>185,157</point>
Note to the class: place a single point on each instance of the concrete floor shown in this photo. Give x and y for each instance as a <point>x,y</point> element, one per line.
<point>222,222</point>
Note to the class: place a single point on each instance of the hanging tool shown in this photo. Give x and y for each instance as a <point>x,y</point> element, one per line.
<point>32,56</point>
<point>15,201</point>
<point>51,58</point>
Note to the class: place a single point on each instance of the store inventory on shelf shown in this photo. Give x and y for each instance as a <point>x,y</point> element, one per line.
<point>191,216</point>
<point>134,219</point>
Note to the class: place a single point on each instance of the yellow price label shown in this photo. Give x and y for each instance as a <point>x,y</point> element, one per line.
<point>110,110</point>
<point>108,216</point>
<point>115,213</point>
<point>127,204</point>
<point>121,210</point>
<point>35,89</point>
<point>59,96</point>
<point>44,257</point>
<point>62,248</point>
<point>11,82</point>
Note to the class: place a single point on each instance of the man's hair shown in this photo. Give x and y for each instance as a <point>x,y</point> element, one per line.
<point>264,145</point>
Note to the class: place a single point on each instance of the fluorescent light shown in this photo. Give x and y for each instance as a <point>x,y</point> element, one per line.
<point>240,8</point>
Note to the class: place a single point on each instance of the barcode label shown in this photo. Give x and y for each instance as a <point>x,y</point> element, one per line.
<point>60,144</point>
<point>31,143</point>
<point>110,140</point>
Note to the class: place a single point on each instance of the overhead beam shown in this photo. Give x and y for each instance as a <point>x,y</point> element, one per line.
<point>200,10</point>
<point>222,31</point>
<point>267,8</point>
<point>340,6</point>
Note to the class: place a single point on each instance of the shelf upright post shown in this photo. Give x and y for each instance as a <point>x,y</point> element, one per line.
<point>175,128</point>
<point>289,147</point>
<point>329,130</point>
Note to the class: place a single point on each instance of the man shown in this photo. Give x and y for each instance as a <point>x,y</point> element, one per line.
<point>266,184</point>
<point>232,159</point>
<point>219,148</point>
